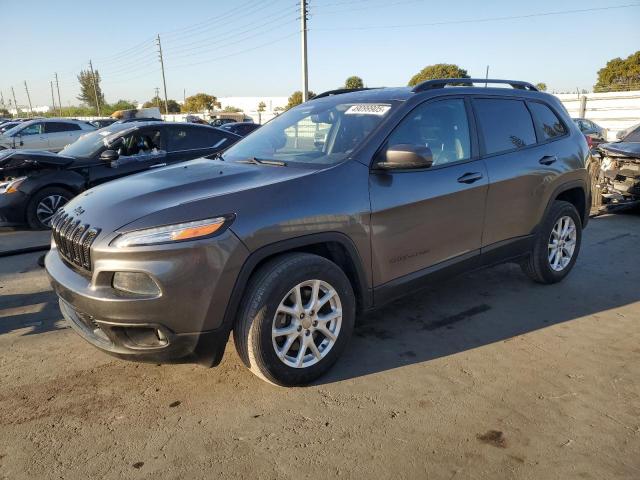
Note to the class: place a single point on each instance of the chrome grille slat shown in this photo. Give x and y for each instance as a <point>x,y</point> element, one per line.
<point>74,239</point>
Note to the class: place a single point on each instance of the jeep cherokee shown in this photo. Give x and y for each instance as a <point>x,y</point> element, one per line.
<point>284,239</point>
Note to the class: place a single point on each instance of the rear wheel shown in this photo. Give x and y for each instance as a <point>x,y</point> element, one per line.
<point>44,205</point>
<point>556,246</point>
<point>297,318</point>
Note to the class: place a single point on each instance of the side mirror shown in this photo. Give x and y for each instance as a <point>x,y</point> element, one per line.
<point>405,156</point>
<point>109,156</point>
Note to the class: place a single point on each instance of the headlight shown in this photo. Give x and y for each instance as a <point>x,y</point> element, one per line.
<point>12,185</point>
<point>170,233</point>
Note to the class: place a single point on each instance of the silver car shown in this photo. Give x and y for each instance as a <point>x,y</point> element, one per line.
<point>51,134</point>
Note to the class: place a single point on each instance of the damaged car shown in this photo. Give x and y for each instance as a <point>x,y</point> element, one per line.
<point>617,176</point>
<point>34,184</point>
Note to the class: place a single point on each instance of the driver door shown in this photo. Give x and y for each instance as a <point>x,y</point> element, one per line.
<point>138,151</point>
<point>33,137</point>
<point>422,220</point>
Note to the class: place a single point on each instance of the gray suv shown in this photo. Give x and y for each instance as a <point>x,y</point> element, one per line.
<point>284,240</point>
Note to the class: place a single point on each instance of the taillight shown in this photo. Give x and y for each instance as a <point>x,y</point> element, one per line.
<point>589,141</point>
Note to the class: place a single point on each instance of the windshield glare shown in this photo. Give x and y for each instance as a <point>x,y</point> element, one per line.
<point>321,132</point>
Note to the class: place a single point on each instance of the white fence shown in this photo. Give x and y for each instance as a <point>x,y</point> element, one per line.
<point>614,111</point>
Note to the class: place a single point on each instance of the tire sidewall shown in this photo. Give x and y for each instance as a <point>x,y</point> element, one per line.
<point>264,311</point>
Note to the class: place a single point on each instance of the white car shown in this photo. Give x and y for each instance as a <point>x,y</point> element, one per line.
<point>51,134</point>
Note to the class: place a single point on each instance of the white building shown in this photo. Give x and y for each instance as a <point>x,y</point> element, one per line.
<point>36,109</point>
<point>249,105</point>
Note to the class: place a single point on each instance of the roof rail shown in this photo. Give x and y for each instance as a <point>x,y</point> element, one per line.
<point>443,82</point>
<point>338,91</point>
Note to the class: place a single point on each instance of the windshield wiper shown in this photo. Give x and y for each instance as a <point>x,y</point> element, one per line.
<point>260,161</point>
<point>218,156</point>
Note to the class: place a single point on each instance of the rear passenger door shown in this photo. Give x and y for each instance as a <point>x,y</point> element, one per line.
<point>61,134</point>
<point>522,162</point>
<point>186,142</point>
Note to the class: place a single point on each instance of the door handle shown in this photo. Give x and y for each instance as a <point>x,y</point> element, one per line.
<point>548,159</point>
<point>470,177</point>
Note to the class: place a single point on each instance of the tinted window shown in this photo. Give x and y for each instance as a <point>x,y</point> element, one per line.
<point>442,126</point>
<point>189,137</point>
<point>56,127</point>
<point>551,125</point>
<point>505,124</point>
<point>634,136</point>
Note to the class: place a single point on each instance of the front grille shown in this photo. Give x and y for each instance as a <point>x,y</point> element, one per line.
<point>74,239</point>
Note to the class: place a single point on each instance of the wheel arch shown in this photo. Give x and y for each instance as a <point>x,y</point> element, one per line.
<point>574,192</point>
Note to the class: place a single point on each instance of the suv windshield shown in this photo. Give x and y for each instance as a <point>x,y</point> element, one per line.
<point>320,132</point>
<point>90,144</point>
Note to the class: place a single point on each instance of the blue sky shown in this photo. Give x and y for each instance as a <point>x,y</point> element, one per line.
<point>252,47</point>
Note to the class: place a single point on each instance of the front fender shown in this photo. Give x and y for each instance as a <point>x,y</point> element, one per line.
<point>68,179</point>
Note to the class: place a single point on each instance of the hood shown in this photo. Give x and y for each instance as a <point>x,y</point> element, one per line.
<point>621,149</point>
<point>25,159</point>
<point>186,186</point>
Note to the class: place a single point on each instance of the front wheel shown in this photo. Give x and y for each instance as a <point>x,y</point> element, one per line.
<point>556,245</point>
<point>297,318</point>
<point>44,205</point>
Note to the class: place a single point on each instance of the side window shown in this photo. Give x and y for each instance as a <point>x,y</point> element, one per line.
<point>57,127</point>
<point>552,126</point>
<point>505,124</point>
<point>442,126</point>
<point>191,137</point>
<point>145,142</point>
<point>35,129</point>
<point>634,136</point>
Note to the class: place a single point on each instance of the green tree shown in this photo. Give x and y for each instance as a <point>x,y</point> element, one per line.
<point>296,99</point>
<point>261,108</point>
<point>87,93</point>
<point>439,70</point>
<point>200,102</point>
<point>620,74</point>
<point>174,107</point>
<point>541,86</point>
<point>4,112</point>
<point>231,109</point>
<point>353,82</point>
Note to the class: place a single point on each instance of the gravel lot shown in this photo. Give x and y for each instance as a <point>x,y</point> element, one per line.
<point>485,376</point>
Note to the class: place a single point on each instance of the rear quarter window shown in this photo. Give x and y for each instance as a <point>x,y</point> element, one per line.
<point>551,125</point>
<point>504,124</point>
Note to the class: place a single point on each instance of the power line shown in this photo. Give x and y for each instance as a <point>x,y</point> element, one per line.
<point>481,20</point>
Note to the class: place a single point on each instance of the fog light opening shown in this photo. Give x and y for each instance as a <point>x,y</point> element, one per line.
<point>135,283</point>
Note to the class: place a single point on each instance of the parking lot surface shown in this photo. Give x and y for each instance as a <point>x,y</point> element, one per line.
<point>484,376</point>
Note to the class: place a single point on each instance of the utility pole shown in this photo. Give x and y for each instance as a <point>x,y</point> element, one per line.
<point>305,72</point>
<point>53,98</point>
<point>95,88</point>
<point>28,98</point>
<point>58,88</point>
<point>2,99</point>
<point>157,97</point>
<point>15,103</point>
<point>164,81</point>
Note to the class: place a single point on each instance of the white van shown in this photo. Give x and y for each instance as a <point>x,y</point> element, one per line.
<point>51,134</point>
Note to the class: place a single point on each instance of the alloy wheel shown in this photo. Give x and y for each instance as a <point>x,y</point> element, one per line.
<point>47,208</point>
<point>307,323</point>
<point>562,243</point>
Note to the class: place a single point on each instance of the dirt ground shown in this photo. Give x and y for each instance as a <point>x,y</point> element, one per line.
<point>485,376</point>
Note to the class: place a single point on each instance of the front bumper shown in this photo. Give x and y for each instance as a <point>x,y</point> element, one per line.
<point>184,322</point>
<point>13,208</point>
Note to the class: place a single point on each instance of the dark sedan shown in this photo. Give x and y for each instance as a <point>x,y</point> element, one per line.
<point>35,184</point>
<point>240,128</point>
<point>593,132</point>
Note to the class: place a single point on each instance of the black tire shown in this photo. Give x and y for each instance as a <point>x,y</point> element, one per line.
<point>32,207</point>
<point>537,265</point>
<point>252,332</point>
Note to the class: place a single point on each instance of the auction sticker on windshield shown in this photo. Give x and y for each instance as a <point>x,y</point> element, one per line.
<point>367,109</point>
